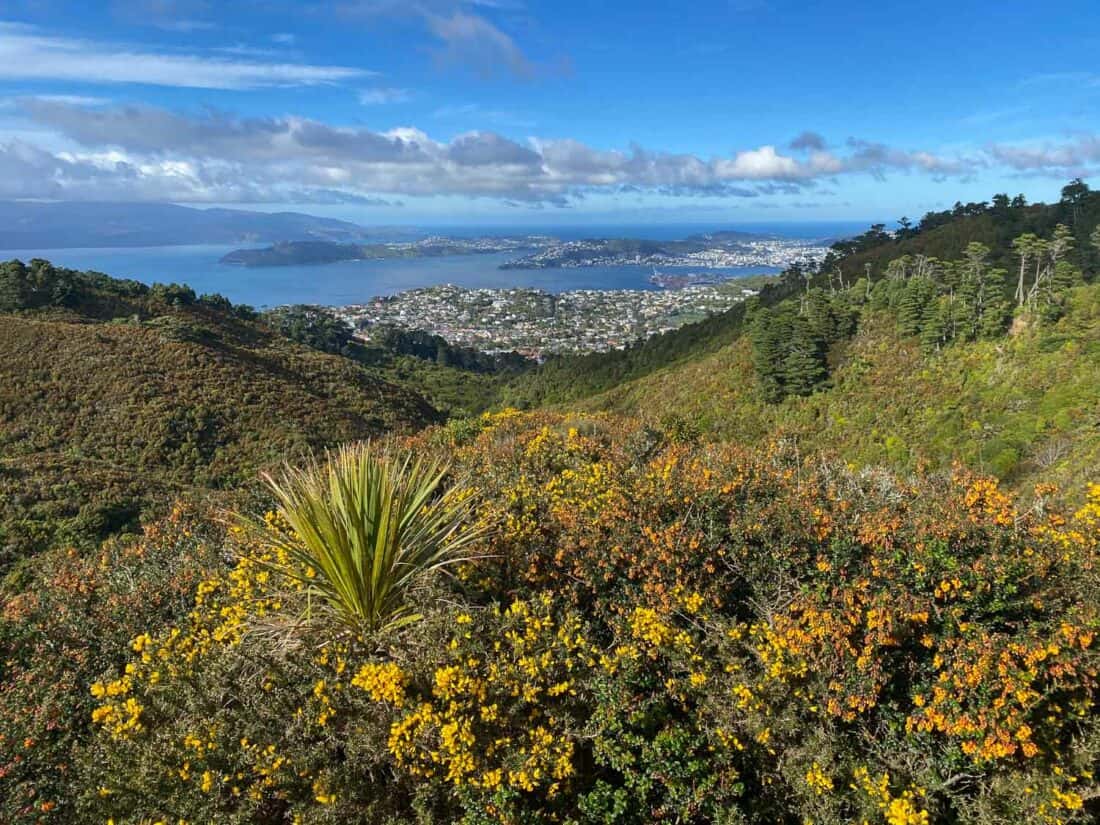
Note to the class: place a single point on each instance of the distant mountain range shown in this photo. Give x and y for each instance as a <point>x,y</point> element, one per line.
<point>67,224</point>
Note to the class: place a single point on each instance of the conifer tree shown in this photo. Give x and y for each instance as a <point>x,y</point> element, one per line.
<point>805,366</point>
<point>820,315</point>
<point>938,324</point>
<point>1025,247</point>
<point>768,354</point>
<point>913,306</point>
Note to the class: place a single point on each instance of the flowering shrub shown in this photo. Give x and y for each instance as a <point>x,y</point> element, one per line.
<point>651,631</point>
<point>60,635</point>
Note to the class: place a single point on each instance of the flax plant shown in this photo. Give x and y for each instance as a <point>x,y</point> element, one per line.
<point>367,525</point>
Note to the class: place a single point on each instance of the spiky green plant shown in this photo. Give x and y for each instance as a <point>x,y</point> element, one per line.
<point>367,525</point>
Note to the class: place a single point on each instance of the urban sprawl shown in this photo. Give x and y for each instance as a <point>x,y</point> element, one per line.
<point>536,323</point>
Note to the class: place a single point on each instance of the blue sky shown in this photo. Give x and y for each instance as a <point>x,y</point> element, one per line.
<point>554,112</point>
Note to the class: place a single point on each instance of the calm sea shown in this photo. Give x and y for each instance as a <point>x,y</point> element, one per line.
<point>357,281</point>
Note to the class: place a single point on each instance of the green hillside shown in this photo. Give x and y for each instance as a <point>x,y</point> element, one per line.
<point>99,419</point>
<point>1024,407</point>
<point>939,237</point>
<point>760,570</point>
<point>995,223</point>
<point>971,337</point>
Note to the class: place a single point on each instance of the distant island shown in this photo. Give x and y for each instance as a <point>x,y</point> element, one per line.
<point>304,253</point>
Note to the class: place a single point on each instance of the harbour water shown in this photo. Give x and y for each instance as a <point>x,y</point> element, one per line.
<point>351,282</point>
<point>347,282</point>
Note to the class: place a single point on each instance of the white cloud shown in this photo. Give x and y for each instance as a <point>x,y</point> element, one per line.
<point>761,164</point>
<point>215,156</point>
<point>28,54</point>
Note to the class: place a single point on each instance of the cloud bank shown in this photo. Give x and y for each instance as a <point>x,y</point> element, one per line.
<point>214,156</point>
<point>142,152</point>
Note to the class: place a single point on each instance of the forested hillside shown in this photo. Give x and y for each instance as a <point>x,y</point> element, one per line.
<point>1024,407</point>
<point>995,223</point>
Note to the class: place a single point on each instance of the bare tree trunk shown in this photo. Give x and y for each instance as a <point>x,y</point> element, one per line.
<point>1020,283</point>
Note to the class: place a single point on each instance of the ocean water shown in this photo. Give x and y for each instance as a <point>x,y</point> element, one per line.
<point>353,282</point>
<point>348,282</point>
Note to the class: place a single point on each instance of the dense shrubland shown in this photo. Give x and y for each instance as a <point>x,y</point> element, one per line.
<point>652,629</point>
<point>99,421</point>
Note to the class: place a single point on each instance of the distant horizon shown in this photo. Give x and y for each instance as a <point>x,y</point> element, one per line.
<point>560,217</point>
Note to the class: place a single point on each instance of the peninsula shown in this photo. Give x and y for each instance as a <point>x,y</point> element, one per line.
<point>305,253</point>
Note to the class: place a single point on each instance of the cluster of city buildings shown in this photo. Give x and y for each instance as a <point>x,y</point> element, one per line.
<point>696,252</point>
<point>537,323</point>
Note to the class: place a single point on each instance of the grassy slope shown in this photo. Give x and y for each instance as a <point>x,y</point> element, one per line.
<point>98,420</point>
<point>1024,407</point>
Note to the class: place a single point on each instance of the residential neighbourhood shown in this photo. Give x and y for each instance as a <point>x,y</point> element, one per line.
<point>537,323</point>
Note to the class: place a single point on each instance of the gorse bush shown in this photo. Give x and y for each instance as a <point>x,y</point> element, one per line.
<point>365,526</point>
<point>73,623</point>
<point>685,633</point>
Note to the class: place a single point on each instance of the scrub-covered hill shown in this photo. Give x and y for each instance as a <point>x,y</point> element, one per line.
<point>1025,407</point>
<point>113,394</point>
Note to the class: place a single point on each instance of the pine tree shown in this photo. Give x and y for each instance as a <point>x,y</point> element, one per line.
<point>820,315</point>
<point>805,366</point>
<point>994,317</point>
<point>1065,276</point>
<point>768,353</point>
<point>913,305</point>
<point>938,324</point>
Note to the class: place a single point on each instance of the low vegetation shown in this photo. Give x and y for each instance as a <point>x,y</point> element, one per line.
<point>104,416</point>
<point>651,631</point>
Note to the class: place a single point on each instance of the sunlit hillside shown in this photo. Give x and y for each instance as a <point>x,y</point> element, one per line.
<point>515,412</point>
<point>1025,407</point>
